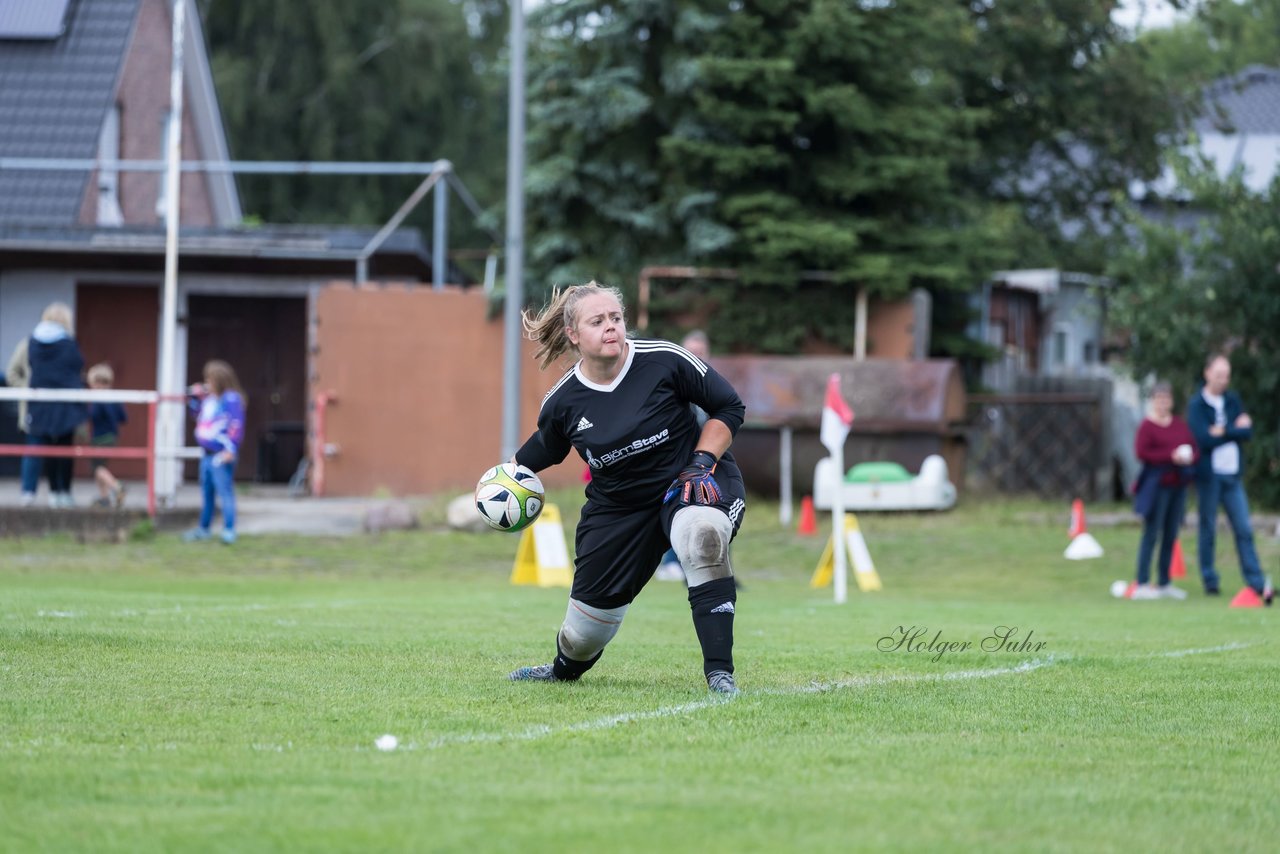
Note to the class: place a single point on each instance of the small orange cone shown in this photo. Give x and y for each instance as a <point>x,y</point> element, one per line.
<point>1247,598</point>
<point>1078,526</point>
<point>808,519</point>
<point>1177,566</point>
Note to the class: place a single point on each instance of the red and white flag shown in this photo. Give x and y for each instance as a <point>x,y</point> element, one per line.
<point>836,417</point>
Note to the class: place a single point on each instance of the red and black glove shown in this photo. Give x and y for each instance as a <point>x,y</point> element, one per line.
<point>696,483</point>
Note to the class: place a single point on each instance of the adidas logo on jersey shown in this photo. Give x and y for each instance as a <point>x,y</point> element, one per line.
<point>583,424</point>
<point>725,608</point>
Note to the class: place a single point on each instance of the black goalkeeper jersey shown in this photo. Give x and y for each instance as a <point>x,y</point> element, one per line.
<point>638,432</point>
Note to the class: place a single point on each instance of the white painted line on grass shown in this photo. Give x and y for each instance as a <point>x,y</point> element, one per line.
<point>1226,647</point>
<point>546,730</point>
<point>192,610</point>
<point>951,675</point>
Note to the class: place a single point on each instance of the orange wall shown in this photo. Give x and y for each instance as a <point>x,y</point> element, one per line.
<point>418,378</point>
<point>890,329</point>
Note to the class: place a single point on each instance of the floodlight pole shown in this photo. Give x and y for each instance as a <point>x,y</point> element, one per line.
<point>170,416</point>
<point>515,237</point>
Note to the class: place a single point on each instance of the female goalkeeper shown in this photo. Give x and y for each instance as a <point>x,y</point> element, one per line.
<point>657,477</point>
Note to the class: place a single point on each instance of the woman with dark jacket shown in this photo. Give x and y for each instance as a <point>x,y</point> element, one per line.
<point>55,363</point>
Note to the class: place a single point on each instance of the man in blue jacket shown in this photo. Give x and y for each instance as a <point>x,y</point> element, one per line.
<point>1221,426</point>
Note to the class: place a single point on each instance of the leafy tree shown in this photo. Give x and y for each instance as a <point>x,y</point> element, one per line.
<point>887,145</point>
<point>1221,39</point>
<point>775,137</point>
<point>1183,292</point>
<point>1074,111</point>
<point>330,80</point>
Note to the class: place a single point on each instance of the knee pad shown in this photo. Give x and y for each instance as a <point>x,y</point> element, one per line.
<point>586,630</point>
<point>700,536</point>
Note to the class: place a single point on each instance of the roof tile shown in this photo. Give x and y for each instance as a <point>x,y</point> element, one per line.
<point>53,97</point>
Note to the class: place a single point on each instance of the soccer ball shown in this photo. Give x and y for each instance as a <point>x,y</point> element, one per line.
<point>509,497</point>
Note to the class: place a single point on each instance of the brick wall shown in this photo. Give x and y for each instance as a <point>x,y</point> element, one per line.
<point>143,95</point>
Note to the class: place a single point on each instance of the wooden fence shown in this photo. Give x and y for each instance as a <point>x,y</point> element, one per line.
<point>1051,443</point>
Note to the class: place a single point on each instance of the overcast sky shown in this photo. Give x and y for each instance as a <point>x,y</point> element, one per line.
<point>1146,14</point>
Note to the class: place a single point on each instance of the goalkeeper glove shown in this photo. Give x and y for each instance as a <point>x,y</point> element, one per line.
<point>696,483</point>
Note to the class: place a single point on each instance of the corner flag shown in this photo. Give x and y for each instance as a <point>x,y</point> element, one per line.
<point>836,417</point>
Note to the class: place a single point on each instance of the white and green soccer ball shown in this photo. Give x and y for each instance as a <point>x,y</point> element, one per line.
<point>509,497</point>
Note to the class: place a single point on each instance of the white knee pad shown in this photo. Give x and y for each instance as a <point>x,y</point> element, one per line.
<point>586,630</point>
<point>700,536</point>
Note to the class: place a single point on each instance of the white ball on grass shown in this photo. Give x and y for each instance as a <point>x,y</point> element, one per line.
<point>387,742</point>
<point>1118,588</point>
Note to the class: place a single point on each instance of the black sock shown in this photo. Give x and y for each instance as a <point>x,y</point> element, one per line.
<point>713,606</point>
<point>567,669</point>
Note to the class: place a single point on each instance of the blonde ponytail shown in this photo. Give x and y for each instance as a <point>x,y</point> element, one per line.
<point>549,326</point>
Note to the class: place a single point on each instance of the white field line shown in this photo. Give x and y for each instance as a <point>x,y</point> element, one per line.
<point>547,730</point>
<point>1226,647</point>
<point>191,609</point>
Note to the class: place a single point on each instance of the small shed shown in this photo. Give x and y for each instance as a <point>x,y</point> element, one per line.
<point>903,412</point>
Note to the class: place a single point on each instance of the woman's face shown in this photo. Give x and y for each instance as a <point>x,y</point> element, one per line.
<point>1162,403</point>
<point>599,331</point>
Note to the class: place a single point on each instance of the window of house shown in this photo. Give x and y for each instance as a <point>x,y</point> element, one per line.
<point>1061,345</point>
<point>35,21</point>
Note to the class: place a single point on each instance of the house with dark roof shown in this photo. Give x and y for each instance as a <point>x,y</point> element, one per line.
<point>1240,125</point>
<point>89,80</point>
<point>1238,128</point>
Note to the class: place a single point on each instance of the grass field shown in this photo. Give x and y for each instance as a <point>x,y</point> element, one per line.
<point>161,697</point>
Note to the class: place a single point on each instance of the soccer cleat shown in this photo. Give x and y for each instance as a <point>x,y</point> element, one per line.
<point>1268,592</point>
<point>721,682</point>
<point>228,537</point>
<point>196,535</point>
<point>536,673</point>
<point>1145,591</point>
<point>1168,591</point>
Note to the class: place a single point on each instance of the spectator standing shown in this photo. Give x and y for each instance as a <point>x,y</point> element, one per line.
<point>220,406</point>
<point>106,419</point>
<point>1166,448</point>
<point>1221,426</point>
<point>18,375</point>
<point>56,363</point>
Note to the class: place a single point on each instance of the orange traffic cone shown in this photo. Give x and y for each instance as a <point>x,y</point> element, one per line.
<point>1177,566</point>
<point>808,519</point>
<point>1078,526</point>
<point>1247,598</point>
